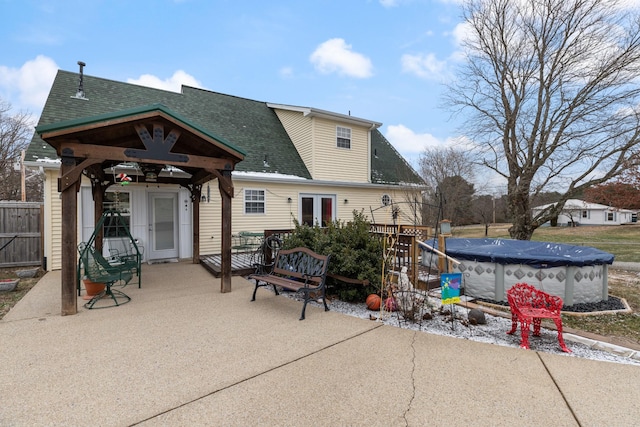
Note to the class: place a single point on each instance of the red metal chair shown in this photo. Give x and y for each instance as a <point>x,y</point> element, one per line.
<point>530,305</point>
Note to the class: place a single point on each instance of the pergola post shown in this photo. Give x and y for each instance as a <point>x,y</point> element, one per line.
<point>226,192</point>
<point>196,192</point>
<point>69,190</point>
<point>98,207</point>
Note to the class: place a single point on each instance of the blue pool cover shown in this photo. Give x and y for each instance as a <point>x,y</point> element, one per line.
<point>538,254</point>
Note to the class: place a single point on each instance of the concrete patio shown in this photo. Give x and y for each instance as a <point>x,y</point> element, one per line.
<point>182,353</point>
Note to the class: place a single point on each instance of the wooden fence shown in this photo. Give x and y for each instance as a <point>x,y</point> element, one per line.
<point>21,225</point>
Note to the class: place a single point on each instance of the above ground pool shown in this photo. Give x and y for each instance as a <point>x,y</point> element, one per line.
<point>577,274</point>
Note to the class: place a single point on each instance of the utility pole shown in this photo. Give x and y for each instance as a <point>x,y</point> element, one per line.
<point>494,209</point>
<point>23,189</point>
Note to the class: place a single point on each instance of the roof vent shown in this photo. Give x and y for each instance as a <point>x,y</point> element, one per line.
<point>80,93</point>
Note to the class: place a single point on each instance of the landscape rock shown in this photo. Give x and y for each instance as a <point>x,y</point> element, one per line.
<point>476,317</point>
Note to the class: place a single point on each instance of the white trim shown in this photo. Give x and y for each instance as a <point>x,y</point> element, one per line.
<point>317,205</point>
<point>316,112</point>
<point>244,201</point>
<point>290,179</point>
<point>338,136</point>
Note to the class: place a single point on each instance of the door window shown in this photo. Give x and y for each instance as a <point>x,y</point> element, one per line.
<point>317,209</point>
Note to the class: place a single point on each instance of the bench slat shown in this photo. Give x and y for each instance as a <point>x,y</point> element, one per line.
<point>284,282</point>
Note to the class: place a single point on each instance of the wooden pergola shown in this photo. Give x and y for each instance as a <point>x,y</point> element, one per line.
<point>154,138</point>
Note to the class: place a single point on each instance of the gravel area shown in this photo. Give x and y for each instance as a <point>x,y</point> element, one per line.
<point>611,304</point>
<point>492,332</point>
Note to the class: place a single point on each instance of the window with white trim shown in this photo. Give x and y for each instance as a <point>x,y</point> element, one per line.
<point>254,201</point>
<point>343,137</point>
<point>611,216</point>
<point>386,200</point>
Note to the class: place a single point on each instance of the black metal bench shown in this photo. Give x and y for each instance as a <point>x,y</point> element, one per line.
<point>297,269</point>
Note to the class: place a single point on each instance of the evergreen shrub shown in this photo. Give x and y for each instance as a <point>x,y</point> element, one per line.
<point>355,254</point>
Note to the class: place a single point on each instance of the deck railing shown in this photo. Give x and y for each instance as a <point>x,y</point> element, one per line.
<point>402,245</point>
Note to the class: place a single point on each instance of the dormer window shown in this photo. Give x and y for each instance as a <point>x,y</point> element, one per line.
<point>343,137</point>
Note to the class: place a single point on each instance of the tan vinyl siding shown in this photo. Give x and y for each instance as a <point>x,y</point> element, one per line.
<point>280,214</point>
<point>298,127</point>
<point>332,163</point>
<point>315,140</point>
<point>53,221</point>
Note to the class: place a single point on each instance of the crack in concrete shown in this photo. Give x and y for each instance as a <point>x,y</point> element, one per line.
<point>413,379</point>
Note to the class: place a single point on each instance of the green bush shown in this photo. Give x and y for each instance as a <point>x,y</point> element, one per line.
<point>355,254</point>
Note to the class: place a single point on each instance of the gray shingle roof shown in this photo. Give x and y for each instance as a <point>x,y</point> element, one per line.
<point>387,165</point>
<point>248,124</point>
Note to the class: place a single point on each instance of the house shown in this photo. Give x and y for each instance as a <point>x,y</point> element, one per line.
<point>578,212</point>
<point>285,163</point>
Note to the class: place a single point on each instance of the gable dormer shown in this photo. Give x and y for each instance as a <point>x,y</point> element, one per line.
<point>334,147</point>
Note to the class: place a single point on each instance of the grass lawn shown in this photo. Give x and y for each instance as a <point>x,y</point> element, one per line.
<point>622,240</point>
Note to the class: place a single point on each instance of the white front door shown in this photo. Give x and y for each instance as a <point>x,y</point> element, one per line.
<point>163,225</point>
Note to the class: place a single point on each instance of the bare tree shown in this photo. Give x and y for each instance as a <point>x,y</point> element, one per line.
<point>448,173</point>
<point>552,88</point>
<point>15,131</point>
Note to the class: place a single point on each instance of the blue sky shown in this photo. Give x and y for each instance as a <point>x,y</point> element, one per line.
<point>382,60</point>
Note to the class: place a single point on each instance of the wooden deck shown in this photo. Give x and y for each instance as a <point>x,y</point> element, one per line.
<point>241,263</point>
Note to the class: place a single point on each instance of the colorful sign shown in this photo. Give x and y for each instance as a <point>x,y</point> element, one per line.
<point>450,285</point>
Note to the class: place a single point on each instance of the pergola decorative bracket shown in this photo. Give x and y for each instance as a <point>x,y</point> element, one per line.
<point>157,147</point>
<point>224,181</point>
<point>72,176</point>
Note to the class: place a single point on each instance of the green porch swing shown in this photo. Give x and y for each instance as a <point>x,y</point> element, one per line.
<point>123,263</point>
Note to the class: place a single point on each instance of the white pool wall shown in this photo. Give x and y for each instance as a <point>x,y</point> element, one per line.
<point>574,284</point>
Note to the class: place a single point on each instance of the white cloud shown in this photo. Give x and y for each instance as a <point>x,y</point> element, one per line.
<point>286,72</point>
<point>389,3</point>
<point>335,55</point>
<point>407,141</point>
<point>27,87</point>
<point>173,83</point>
<point>426,66</point>
<point>410,144</point>
<point>462,31</point>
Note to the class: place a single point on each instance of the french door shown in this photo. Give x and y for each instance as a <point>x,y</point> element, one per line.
<point>317,209</point>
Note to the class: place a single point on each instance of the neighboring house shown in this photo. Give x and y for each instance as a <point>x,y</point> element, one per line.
<point>579,212</point>
<point>301,164</point>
